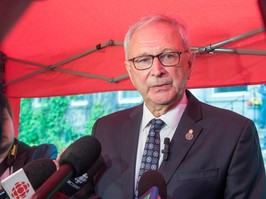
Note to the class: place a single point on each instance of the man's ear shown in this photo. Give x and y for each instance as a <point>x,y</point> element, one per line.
<point>191,59</point>
<point>190,63</point>
<point>127,64</point>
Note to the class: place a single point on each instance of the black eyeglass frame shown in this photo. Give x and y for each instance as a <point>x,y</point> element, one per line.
<point>158,56</point>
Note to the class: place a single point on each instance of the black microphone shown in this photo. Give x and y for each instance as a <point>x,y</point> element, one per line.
<point>152,185</point>
<point>73,185</point>
<point>11,11</point>
<point>166,150</point>
<point>24,182</point>
<point>74,161</point>
<point>262,7</point>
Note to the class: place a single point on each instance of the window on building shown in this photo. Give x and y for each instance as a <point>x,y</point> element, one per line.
<point>129,97</point>
<point>231,89</point>
<point>79,100</point>
<point>62,120</point>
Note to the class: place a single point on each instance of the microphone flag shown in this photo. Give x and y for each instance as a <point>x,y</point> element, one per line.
<point>18,186</point>
<point>152,193</point>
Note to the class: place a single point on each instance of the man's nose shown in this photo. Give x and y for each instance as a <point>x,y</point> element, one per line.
<point>157,67</point>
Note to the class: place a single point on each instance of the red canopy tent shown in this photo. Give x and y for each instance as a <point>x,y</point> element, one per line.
<point>67,47</point>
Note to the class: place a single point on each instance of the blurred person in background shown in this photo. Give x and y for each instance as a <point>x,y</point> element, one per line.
<point>14,154</point>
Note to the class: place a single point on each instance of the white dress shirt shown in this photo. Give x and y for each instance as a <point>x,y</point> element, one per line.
<point>171,119</point>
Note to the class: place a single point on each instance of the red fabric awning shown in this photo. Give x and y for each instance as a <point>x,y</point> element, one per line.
<point>50,32</point>
<point>67,47</point>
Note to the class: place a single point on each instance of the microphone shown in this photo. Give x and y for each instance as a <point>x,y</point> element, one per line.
<point>74,161</point>
<point>166,150</point>
<point>152,185</point>
<point>10,13</point>
<point>24,182</point>
<point>262,7</point>
<point>74,184</point>
<point>152,193</point>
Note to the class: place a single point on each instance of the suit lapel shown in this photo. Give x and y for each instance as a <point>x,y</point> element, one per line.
<point>130,134</point>
<point>185,136</point>
<point>20,161</point>
<point>180,145</point>
<point>21,156</point>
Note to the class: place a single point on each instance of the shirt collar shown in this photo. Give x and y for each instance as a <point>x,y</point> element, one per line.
<point>169,118</point>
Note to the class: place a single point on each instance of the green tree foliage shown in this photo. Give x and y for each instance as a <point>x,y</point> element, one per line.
<point>52,121</point>
<point>98,110</point>
<point>47,123</point>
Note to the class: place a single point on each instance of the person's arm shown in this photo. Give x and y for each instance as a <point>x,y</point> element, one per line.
<point>44,151</point>
<point>246,173</point>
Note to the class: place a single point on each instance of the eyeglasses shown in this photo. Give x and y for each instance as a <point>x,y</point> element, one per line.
<point>167,59</point>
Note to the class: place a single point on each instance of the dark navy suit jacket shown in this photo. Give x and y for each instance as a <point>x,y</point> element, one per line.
<point>223,160</point>
<point>27,154</point>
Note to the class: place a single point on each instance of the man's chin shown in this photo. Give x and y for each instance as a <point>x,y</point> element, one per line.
<point>162,97</point>
<point>162,101</point>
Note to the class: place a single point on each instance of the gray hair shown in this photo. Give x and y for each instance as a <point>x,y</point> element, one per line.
<point>175,23</point>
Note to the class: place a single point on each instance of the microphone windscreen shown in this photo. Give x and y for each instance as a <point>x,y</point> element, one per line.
<point>81,154</point>
<point>10,12</point>
<point>152,178</point>
<point>38,171</point>
<point>73,185</point>
<point>262,6</point>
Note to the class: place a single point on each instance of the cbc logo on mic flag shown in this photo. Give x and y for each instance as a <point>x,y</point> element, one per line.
<point>20,190</point>
<point>18,186</point>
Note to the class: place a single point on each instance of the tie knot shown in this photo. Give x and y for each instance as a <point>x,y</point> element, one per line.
<point>157,124</point>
